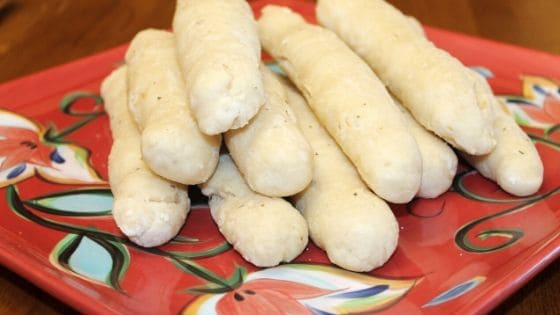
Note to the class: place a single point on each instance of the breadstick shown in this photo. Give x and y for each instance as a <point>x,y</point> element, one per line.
<point>416,25</point>
<point>265,231</point>
<point>147,208</point>
<point>219,52</point>
<point>514,164</point>
<point>439,162</point>
<point>172,145</point>
<point>431,83</point>
<point>271,152</point>
<point>348,99</point>
<point>355,227</point>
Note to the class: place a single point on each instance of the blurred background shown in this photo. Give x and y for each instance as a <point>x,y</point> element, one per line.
<point>38,34</point>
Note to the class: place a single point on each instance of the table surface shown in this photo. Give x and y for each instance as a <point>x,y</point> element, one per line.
<point>37,34</point>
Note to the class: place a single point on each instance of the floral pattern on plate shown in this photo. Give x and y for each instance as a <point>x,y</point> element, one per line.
<point>26,149</point>
<point>463,251</point>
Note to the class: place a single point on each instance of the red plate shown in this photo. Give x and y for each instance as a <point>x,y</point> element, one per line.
<point>463,252</point>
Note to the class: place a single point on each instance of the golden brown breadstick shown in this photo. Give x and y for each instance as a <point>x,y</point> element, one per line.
<point>348,99</point>
<point>147,208</point>
<point>172,144</point>
<point>271,153</point>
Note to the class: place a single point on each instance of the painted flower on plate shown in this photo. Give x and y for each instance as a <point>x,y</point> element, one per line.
<point>25,152</point>
<point>268,296</point>
<point>304,289</point>
<point>539,106</point>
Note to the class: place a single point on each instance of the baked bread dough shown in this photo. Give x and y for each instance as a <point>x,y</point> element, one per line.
<point>355,227</point>
<point>172,145</point>
<point>148,209</point>
<point>265,231</point>
<point>271,152</point>
<point>219,51</point>
<point>430,83</point>
<point>349,101</point>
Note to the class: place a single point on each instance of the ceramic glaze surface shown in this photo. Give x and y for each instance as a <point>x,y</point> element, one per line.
<point>464,251</point>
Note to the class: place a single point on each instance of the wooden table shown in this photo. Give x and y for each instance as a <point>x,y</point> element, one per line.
<point>36,34</point>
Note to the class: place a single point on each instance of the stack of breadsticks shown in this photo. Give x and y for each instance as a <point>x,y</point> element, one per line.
<point>378,109</point>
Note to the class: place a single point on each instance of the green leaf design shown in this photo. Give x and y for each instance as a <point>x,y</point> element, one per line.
<point>92,258</point>
<point>237,277</point>
<point>116,246</point>
<point>79,203</point>
<point>180,239</point>
<point>460,187</point>
<point>548,132</point>
<point>232,283</point>
<point>207,288</point>
<point>18,207</point>
<point>207,253</point>
<point>50,135</point>
<point>67,102</point>
<point>510,235</point>
<point>67,107</point>
<point>197,270</point>
<point>545,141</point>
<point>520,120</point>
